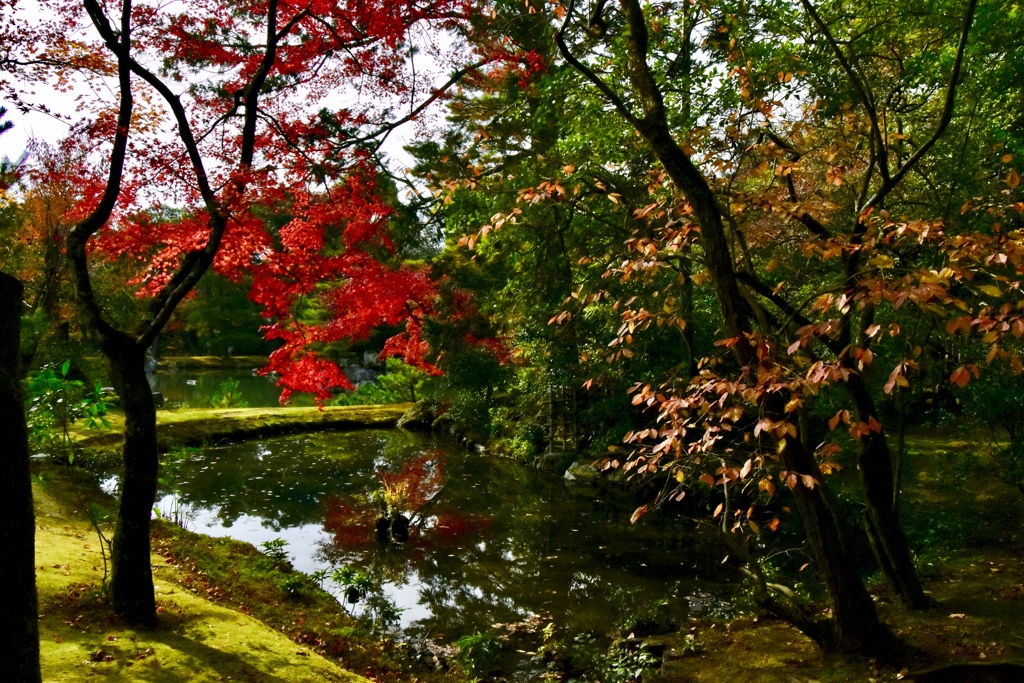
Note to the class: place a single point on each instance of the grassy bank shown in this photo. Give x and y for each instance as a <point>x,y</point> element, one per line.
<point>197,639</point>
<point>207,426</point>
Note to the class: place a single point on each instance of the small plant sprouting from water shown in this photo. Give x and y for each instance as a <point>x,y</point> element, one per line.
<point>402,494</point>
<point>275,549</point>
<point>177,512</point>
<point>394,494</point>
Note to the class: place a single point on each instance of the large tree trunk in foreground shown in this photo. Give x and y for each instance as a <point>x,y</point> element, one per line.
<point>131,580</point>
<point>19,618</point>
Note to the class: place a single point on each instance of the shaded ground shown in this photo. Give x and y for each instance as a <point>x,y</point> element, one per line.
<point>968,530</point>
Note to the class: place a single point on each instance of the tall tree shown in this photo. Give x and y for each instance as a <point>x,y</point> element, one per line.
<point>212,108</point>
<point>19,624</point>
<point>751,44</point>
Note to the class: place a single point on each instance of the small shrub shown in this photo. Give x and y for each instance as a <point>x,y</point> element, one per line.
<point>275,549</point>
<point>291,585</point>
<point>55,403</point>
<point>227,395</point>
<point>478,652</point>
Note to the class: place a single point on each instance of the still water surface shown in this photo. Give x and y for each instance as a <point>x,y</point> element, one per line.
<point>192,388</point>
<point>497,543</point>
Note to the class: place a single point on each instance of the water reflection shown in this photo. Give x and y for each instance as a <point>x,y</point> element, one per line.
<point>192,388</point>
<point>489,541</point>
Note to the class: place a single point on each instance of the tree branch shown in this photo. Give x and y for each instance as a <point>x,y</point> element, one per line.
<point>605,89</point>
<point>944,118</point>
<point>80,233</point>
<point>859,85</point>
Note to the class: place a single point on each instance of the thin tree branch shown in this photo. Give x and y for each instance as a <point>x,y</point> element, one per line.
<point>605,89</point>
<point>944,118</point>
<point>859,84</point>
<point>80,233</point>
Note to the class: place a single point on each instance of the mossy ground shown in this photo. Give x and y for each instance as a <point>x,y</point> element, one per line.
<point>188,427</point>
<point>197,640</point>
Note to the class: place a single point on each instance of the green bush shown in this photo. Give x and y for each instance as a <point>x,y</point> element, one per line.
<point>55,403</point>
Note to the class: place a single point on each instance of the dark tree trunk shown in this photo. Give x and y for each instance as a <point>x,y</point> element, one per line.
<point>132,576</point>
<point>854,625</point>
<point>19,618</point>
<point>881,519</point>
<point>131,580</point>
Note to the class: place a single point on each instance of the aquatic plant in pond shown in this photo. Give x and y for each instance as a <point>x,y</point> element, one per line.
<point>402,494</point>
<point>171,508</point>
<point>227,395</point>
<point>275,549</point>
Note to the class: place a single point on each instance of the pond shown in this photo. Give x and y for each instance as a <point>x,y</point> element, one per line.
<point>188,387</point>
<point>494,542</point>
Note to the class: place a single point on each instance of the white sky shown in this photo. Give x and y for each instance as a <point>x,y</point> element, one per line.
<point>52,129</point>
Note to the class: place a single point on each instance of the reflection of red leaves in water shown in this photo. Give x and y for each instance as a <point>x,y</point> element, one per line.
<point>351,524</point>
<point>352,521</point>
<point>418,481</point>
<point>451,528</point>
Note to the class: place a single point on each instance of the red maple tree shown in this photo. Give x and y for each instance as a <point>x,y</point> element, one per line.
<point>220,110</point>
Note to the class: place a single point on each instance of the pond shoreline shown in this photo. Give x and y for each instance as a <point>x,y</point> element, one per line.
<point>198,637</point>
<point>190,428</point>
<point>980,587</point>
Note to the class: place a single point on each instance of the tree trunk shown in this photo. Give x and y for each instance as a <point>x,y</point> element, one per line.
<point>881,521</point>
<point>131,580</point>
<point>854,626</point>
<point>19,619</point>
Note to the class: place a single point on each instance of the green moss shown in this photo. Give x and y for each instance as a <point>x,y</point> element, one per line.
<point>179,428</point>
<point>196,641</point>
<point>234,573</point>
